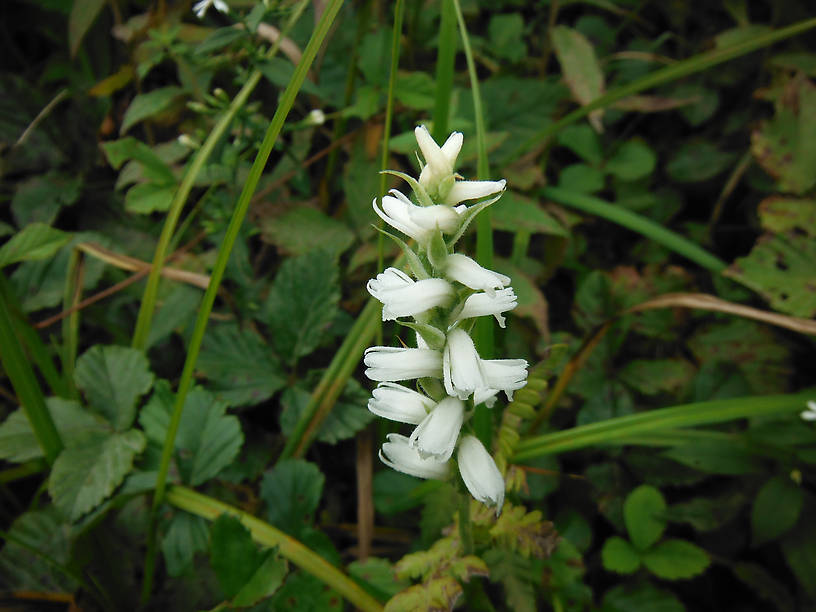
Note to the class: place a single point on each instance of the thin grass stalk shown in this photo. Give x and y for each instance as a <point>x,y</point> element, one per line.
<point>675,71</point>
<point>148,303</point>
<point>26,386</point>
<point>686,415</point>
<point>445,56</point>
<point>637,223</point>
<point>70,324</point>
<point>290,548</point>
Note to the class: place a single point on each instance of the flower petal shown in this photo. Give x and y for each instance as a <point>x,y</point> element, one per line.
<point>461,371</point>
<point>398,403</point>
<point>481,304</point>
<point>389,363</point>
<point>472,190</point>
<point>479,472</point>
<point>438,432</point>
<point>465,270</point>
<point>398,454</point>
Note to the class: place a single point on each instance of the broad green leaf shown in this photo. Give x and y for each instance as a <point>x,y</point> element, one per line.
<point>302,591</point>
<point>73,422</point>
<point>145,198</point>
<point>619,556</point>
<point>580,68</point>
<point>33,242</point>
<point>717,457</point>
<point>291,491</point>
<point>776,509</point>
<point>152,166</point>
<point>644,514</point>
<point>779,214</point>
<point>707,514</point>
<point>643,597</point>
<point>799,548</point>
<point>377,577</point>
<point>263,583</point>
<point>652,376</point>
<point>235,557</point>
<point>697,161</point>
<point>415,89</point>
<point>85,475</point>
<point>207,439</point>
<point>176,312</point>
<point>581,178</point>
<point>675,560</point>
<point>361,182</point>
<point>303,229</point>
<point>507,37</point>
<point>632,161</point>
<point>113,378</point>
<point>607,401</point>
<point>40,198</point>
<point>219,39</point>
<point>241,369</point>
<point>186,536</point>
<point>583,141</point>
<point>83,14</point>
<point>780,268</point>
<point>149,104</point>
<point>302,304</point>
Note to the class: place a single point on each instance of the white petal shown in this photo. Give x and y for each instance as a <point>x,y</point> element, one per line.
<point>432,217</point>
<point>507,375</point>
<point>398,454</point>
<point>452,147</point>
<point>479,472</point>
<point>398,403</point>
<point>389,363</point>
<point>438,161</point>
<point>438,432</point>
<point>481,304</point>
<point>403,297</point>
<point>461,371</point>
<point>395,213</point>
<point>200,8</point>
<point>465,270</point>
<point>471,190</point>
<point>221,6</point>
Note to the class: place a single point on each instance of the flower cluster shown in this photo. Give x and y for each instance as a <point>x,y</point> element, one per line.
<point>443,294</point>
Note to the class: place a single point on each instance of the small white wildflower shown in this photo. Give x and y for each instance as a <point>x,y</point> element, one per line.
<point>403,297</point>
<point>438,432</point>
<point>479,472</point>
<point>390,364</point>
<point>481,304</point>
<point>397,403</point>
<point>418,222</point>
<point>398,454</point>
<point>810,413</point>
<point>200,8</point>
<point>465,270</point>
<point>315,117</point>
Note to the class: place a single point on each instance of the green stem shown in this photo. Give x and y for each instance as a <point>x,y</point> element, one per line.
<point>70,324</point>
<point>25,384</point>
<point>148,304</point>
<point>465,525</point>
<point>446,54</point>
<point>210,509</point>
<point>626,427</point>
<point>24,470</point>
<point>636,223</point>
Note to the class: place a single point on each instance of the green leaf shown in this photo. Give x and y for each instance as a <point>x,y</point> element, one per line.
<point>652,376</point>
<point>415,89</point>
<point>644,514</point>
<point>632,161</point>
<point>186,535</point>
<point>291,491</point>
<point>176,313</point>
<point>242,370</point>
<point>303,229</point>
<point>113,378</point>
<point>580,67</point>
<point>776,509</point>
<point>517,575</point>
<point>619,556</point>
<point>778,215</point>
<point>764,585</point>
<point>149,104</point>
<point>153,168</point>
<point>35,241</point>
<point>643,597</point>
<point>266,580</point>
<point>799,548</point>
<point>302,591</point>
<point>697,161</point>
<point>707,514</point>
<point>219,39</point>
<point>40,198</point>
<point>207,439</point>
<point>377,577</point>
<point>507,37</point>
<point>302,304</point>
<point>18,442</point>
<point>85,475</point>
<point>83,14</point>
<point>581,178</point>
<point>717,457</point>
<point>279,71</point>
<point>675,559</point>
<point>145,198</point>
<point>583,141</point>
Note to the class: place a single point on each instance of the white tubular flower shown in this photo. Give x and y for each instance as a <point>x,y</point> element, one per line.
<point>398,455</point>
<point>439,161</point>
<point>418,222</point>
<point>200,8</point>
<point>389,363</point>
<point>481,304</point>
<point>810,413</point>
<point>479,471</point>
<point>461,368</point>
<point>506,375</point>
<point>404,297</point>
<point>465,270</point>
<point>438,432</point>
<point>472,190</point>
<point>397,403</point>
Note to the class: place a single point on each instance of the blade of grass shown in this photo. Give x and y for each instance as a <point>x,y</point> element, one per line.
<point>148,304</point>
<point>70,324</point>
<point>686,415</point>
<point>210,509</point>
<point>445,56</point>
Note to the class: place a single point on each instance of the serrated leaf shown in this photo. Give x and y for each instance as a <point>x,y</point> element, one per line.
<point>242,369</point>
<point>377,577</point>
<point>302,591</point>
<point>18,442</point>
<point>291,491</point>
<point>675,559</point>
<point>85,475</point>
<point>113,378</point>
<point>33,242</point>
<point>642,597</point>
<point>302,230</point>
<point>525,532</point>
<point>302,304</point>
<point>186,536</point>
<point>644,515</point>
<point>436,594</point>
<point>518,575</point>
<point>776,509</point>
<point>149,104</point>
<point>619,556</point>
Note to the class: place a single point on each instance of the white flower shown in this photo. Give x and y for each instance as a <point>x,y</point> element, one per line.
<point>389,363</point>
<point>439,161</point>
<point>316,117</point>
<point>436,435</point>
<point>200,8</point>
<point>810,413</point>
<point>398,454</point>
<point>481,304</point>
<point>479,472</point>
<point>398,403</point>
<point>418,222</point>
<point>403,297</point>
<point>472,190</point>
<point>465,270</point>
<point>506,375</point>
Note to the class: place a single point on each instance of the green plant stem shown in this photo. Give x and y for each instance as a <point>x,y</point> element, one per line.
<point>306,559</point>
<point>148,304</point>
<point>465,525</point>
<point>636,223</point>
<point>25,384</point>
<point>629,426</point>
<point>231,234</point>
<point>70,324</point>
<point>24,470</point>
<point>446,54</point>
<point>675,71</point>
